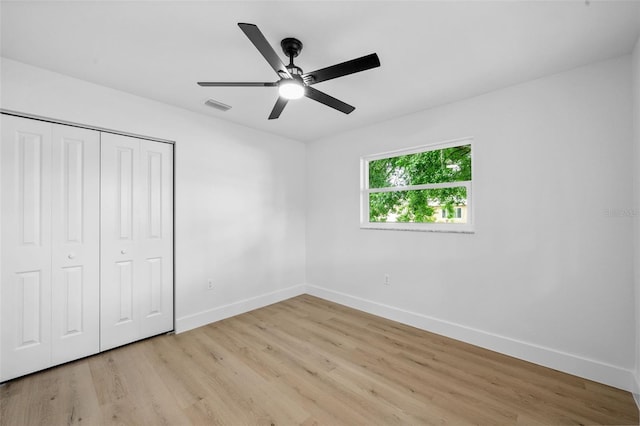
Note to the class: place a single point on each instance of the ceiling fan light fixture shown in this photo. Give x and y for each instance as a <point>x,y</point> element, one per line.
<point>291,89</point>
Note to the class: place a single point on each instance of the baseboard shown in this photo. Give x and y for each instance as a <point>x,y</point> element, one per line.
<point>583,367</point>
<point>199,319</point>
<point>590,369</point>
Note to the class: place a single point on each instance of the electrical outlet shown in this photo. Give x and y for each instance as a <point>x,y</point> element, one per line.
<point>387,279</point>
<point>210,285</point>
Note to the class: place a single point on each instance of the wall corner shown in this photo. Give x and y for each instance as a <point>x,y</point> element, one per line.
<point>635,72</point>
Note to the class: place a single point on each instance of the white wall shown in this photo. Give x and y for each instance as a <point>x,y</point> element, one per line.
<point>548,275</point>
<point>239,194</point>
<point>636,193</point>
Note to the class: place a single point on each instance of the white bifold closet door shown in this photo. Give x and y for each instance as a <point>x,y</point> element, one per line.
<point>49,289</point>
<point>136,235</point>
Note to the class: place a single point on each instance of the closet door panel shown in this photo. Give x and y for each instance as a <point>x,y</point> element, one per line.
<point>75,242</point>
<point>119,231</point>
<point>25,250</point>
<point>156,238</point>
<point>136,239</point>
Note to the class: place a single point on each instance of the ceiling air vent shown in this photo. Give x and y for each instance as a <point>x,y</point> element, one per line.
<point>217,105</point>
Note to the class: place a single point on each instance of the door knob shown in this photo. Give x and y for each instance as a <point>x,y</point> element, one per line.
<point>71,256</point>
<point>123,251</point>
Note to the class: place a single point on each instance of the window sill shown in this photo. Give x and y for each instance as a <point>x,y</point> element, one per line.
<point>455,229</point>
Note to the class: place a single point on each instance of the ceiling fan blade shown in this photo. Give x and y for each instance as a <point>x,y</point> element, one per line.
<point>339,70</point>
<point>233,84</point>
<point>323,98</point>
<point>257,38</point>
<point>278,107</point>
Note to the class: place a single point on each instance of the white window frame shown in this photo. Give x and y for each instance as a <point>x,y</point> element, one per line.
<point>404,226</point>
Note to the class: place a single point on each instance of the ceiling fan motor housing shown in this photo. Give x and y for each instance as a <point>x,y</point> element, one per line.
<point>291,47</point>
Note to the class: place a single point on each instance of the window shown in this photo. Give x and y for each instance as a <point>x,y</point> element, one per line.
<point>426,188</point>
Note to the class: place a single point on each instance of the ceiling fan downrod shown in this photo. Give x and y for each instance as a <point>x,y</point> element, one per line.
<point>292,48</point>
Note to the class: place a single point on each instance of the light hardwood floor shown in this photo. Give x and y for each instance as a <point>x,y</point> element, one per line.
<point>308,361</point>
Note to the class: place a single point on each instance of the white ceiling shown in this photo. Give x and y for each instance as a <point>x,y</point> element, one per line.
<point>431,52</point>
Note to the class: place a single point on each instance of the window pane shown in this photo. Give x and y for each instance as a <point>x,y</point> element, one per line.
<point>420,206</point>
<point>438,166</point>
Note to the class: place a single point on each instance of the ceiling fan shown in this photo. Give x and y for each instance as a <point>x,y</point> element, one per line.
<point>293,83</point>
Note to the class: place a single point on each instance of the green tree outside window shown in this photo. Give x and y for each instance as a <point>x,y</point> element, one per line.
<point>448,165</point>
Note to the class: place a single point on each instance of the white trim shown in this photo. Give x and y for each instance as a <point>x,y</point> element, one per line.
<point>199,319</point>
<point>459,228</point>
<point>569,363</point>
<point>465,183</point>
<point>364,195</point>
<point>416,149</point>
<point>82,126</point>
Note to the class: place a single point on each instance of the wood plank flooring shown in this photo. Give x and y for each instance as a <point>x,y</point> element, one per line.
<point>308,361</point>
